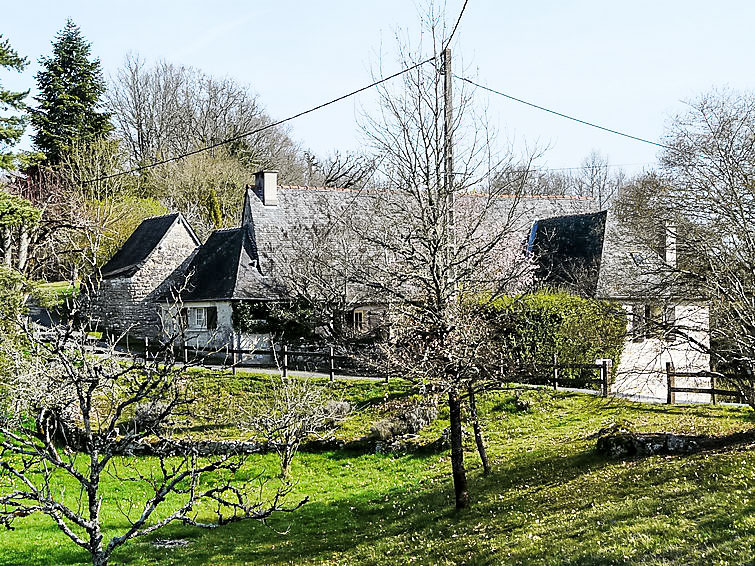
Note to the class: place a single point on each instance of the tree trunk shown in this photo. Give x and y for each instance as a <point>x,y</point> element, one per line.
<point>100,559</point>
<point>8,246</point>
<point>23,248</point>
<point>285,458</point>
<point>478,433</point>
<point>457,451</point>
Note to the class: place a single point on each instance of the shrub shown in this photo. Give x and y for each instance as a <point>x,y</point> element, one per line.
<point>529,329</point>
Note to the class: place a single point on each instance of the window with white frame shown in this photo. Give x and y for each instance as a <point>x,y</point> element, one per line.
<point>360,320</point>
<point>200,318</point>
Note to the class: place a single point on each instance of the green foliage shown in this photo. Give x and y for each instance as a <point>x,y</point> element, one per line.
<point>70,90</point>
<point>214,212</point>
<point>53,295</point>
<point>11,127</point>
<point>532,328</point>
<point>13,287</point>
<point>292,320</point>
<point>126,213</point>
<point>16,211</point>
<point>13,291</point>
<point>208,188</point>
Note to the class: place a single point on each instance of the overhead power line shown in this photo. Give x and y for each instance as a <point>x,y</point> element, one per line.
<point>262,128</point>
<point>283,121</point>
<point>583,167</point>
<point>456,25</point>
<point>585,122</point>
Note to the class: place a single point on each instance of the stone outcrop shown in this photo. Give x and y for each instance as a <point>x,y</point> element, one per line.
<point>622,443</point>
<point>617,442</point>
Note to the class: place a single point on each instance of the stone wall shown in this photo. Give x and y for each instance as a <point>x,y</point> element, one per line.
<point>126,304</point>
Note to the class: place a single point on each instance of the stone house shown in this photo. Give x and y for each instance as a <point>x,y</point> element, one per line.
<point>130,282</point>
<point>595,255</point>
<point>196,286</point>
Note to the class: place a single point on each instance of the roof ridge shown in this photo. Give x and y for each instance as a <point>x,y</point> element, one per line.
<point>321,188</point>
<point>560,216</point>
<point>471,193</point>
<point>161,216</point>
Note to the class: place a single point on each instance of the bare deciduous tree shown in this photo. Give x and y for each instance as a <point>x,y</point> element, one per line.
<point>70,416</point>
<point>166,110</point>
<point>443,243</point>
<point>295,410</point>
<point>344,170</point>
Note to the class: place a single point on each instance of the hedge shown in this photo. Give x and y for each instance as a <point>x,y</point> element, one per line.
<point>529,329</point>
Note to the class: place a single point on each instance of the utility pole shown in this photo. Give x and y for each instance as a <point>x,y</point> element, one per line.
<point>454,400</point>
<point>448,158</point>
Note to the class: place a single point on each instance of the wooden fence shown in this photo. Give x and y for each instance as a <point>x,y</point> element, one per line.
<point>284,356</point>
<point>603,379</point>
<point>713,391</point>
<point>329,362</point>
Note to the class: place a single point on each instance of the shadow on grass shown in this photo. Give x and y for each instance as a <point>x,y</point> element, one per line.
<point>326,530</point>
<point>546,502</point>
<point>527,496</point>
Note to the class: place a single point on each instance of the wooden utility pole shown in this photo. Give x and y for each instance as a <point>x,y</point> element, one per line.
<point>448,159</point>
<point>454,399</point>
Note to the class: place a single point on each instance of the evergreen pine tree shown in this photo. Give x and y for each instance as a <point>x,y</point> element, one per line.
<point>11,127</point>
<point>70,88</point>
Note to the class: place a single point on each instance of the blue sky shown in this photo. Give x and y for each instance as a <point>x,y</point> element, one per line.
<point>626,65</point>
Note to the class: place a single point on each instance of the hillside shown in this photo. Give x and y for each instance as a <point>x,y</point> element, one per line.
<point>551,499</point>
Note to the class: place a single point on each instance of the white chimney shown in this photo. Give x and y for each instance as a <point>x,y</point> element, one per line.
<point>266,183</point>
<point>670,231</point>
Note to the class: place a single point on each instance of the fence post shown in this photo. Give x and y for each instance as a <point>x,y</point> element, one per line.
<point>671,383</point>
<point>285,361</point>
<point>332,364</point>
<point>604,377</point>
<point>146,348</point>
<point>713,388</point>
<point>555,371</point>
<point>234,359</point>
<point>186,353</point>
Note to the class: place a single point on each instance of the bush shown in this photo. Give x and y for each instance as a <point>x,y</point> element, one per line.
<point>529,329</point>
<point>295,320</point>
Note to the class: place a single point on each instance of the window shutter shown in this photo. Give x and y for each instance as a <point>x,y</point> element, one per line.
<point>212,318</point>
<point>639,321</point>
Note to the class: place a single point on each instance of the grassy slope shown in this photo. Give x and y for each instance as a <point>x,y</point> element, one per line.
<point>549,500</point>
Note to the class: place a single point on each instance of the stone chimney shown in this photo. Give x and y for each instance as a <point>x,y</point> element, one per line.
<point>266,185</point>
<point>670,243</point>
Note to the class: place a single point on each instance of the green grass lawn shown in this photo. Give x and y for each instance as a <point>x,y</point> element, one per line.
<point>549,500</point>
<point>53,294</point>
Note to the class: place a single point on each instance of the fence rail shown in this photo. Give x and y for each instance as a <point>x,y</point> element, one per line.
<point>283,356</point>
<point>713,391</point>
<point>603,369</point>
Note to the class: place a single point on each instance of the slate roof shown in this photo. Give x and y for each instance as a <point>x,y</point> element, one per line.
<point>135,251</point>
<point>226,267</point>
<point>276,226</point>
<point>596,255</point>
<point>239,263</point>
<point>568,250</point>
